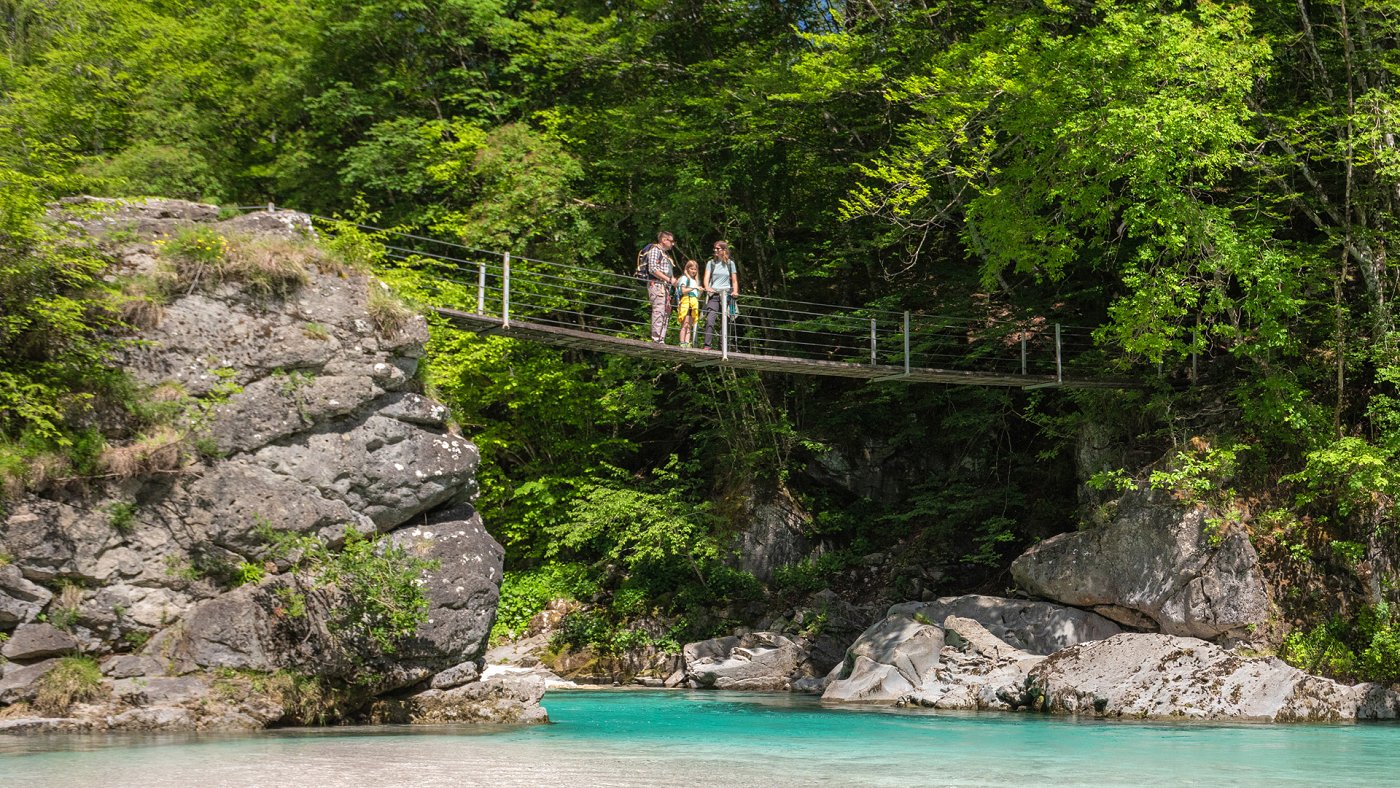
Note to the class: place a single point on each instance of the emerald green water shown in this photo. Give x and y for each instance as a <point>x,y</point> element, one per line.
<point>633,738</point>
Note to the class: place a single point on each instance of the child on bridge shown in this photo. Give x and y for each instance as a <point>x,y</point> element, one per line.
<point>688,313</point>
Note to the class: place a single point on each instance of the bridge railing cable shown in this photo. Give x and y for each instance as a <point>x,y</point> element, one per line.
<point>606,302</point>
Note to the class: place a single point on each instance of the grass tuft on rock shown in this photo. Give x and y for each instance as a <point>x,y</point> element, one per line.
<point>388,313</point>
<point>73,680</point>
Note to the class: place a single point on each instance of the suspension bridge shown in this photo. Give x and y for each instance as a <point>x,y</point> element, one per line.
<point>497,293</point>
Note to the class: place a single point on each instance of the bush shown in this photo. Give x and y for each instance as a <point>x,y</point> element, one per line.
<point>384,602</point>
<point>148,168</point>
<point>58,322</point>
<point>72,680</point>
<point>525,593</point>
<point>1365,648</point>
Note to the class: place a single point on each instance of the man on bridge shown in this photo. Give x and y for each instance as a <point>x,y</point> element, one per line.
<point>659,283</point>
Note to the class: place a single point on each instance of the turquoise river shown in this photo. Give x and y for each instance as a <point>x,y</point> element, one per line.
<point>637,738</point>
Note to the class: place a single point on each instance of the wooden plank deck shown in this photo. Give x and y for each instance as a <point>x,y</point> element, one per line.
<point>584,340</point>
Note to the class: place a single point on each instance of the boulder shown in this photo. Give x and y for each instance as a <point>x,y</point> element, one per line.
<point>1156,563</point>
<point>501,699</point>
<point>20,600</point>
<point>464,588</point>
<point>21,682</point>
<point>978,670</point>
<point>455,676</point>
<point>37,641</point>
<point>1033,626</point>
<point>908,660</point>
<point>754,661</point>
<point>894,657</point>
<point>385,469</point>
<point>1165,676</point>
<point>772,534</point>
<point>249,628</point>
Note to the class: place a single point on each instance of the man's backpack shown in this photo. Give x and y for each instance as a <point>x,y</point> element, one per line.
<point>641,271</point>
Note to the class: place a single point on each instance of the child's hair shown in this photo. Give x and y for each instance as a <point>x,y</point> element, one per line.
<point>691,264</point>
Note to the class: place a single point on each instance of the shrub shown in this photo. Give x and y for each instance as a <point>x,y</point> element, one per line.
<point>160,450</point>
<point>380,583</point>
<point>269,267</point>
<point>525,593</point>
<point>1364,648</point>
<point>72,680</point>
<point>122,516</point>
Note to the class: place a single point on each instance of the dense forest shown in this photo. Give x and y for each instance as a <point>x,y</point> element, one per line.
<point>1213,181</point>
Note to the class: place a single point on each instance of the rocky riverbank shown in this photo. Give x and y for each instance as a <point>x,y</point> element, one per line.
<point>1153,616</point>
<point>152,596</point>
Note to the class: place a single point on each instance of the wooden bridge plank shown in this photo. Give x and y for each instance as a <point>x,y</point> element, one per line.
<point>639,348</point>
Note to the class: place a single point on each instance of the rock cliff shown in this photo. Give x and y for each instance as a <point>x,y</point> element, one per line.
<point>297,417</point>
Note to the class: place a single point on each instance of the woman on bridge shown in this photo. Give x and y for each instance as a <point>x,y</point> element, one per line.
<point>721,276</point>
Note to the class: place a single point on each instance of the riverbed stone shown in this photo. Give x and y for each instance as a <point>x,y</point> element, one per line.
<point>752,661</point>
<point>1157,559</point>
<point>455,676</point>
<point>1144,676</point>
<point>890,659</point>
<point>498,699</point>
<point>1030,625</point>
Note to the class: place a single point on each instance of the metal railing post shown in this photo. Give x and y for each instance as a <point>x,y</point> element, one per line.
<point>906,342</point>
<point>505,293</point>
<point>872,342</point>
<point>1059,362</point>
<point>1023,352</point>
<point>481,288</point>
<point>724,324</point>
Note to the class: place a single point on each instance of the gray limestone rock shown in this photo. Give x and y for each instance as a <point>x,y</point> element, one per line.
<point>37,641</point>
<point>275,223</point>
<point>43,725</point>
<point>234,499</point>
<point>455,676</point>
<point>1157,559</point>
<point>1033,626</point>
<point>1165,676</point>
<point>21,682</point>
<point>504,699</point>
<point>772,534</point>
<point>416,409</point>
<point>464,588</point>
<point>754,661</point>
<point>20,600</point>
<point>46,539</point>
<point>892,658</point>
<point>385,469</point>
<point>126,666</point>
<point>979,670</point>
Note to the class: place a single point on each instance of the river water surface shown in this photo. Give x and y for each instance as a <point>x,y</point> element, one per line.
<point>636,738</point>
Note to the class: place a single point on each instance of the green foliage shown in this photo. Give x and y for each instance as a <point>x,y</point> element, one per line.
<point>1350,474</point>
<point>1364,648</point>
<point>651,523</point>
<point>811,574</point>
<point>249,573</point>
<point>122,516</point>
<point>525,593</point>
<point>57,330</point>
<point>195,251</point>
<point>381,594</point>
